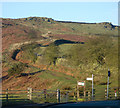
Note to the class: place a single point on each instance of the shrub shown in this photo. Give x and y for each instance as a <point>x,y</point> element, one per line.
<point>16,69</point>
<point>78,55</point>
<point>94,51</point>
<point>51,54</point>
<point>99,48</point>
<point>29,51</point>
<point>30,46</point>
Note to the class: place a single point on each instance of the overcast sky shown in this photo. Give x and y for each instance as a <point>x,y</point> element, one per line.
<point>65,11</point>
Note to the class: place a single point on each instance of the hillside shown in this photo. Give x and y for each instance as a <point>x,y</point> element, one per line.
<point>41,53</point>
<point>39,27</point>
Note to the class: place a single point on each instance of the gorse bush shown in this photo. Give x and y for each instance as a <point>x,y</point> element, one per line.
<point>99,48</point>
<point>29,52</point>
<point>51,54</point>
<point>16,69</point>
<point>29,46</point>
<point>77,55</point>
<point>94,51</point>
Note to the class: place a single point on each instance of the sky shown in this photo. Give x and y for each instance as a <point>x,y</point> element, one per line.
<point>91,12</point>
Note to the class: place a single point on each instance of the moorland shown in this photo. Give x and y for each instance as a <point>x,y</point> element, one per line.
<point>43,53</point>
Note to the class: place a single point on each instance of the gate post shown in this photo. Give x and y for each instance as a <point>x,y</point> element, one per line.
<point>58,95</point>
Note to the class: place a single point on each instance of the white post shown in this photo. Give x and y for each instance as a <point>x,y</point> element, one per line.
<point>58,95</point>
<point>30,93</point>
<point>92,86</point>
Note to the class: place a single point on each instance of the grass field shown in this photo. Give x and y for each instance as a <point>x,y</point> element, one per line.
<point>59,79</point>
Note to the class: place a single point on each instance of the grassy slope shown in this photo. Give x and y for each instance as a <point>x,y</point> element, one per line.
<point>70,71</point>
<point>44,25</point>
<point>58,76</point>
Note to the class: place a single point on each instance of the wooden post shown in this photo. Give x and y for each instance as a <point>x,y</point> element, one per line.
<point>45,93</point>
<point>84,90</point>
<point>58,95</point>
<point>30,93</point>
<point>7,95</point>
<point>105,93</point>
<point>94,93</point>
<point>67,96</point>
<point>78,96</point>
<point>88,95</point>
<point>74,94</point>
<point>110,95</point>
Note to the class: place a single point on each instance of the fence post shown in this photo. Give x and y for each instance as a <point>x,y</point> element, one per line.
<point>94,93</point>
<point>78,96</point>
<point>45,93</point>
<point>74,95</point>
<point>110,93</point>
<point>58,95</point>
<point>84,89</point>
<point>105,93</point>
<point>30,93</point>
<point>67,96</point>
<point>88,95</point>
<point>7,95</point>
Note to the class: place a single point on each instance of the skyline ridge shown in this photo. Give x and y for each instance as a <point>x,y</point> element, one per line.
<point>66,21</point>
